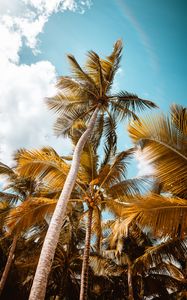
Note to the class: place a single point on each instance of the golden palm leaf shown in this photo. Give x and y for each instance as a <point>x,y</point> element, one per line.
<point>88,165</point>
<point>63,103</point>
<point>179,117</point>
<point>66,124</point>
<point>164,147</point>
<point>74,88</point>
<point>6,170</point>
<point>110,65</point>
<point>128,187</point>
<point>94,68</point>
<point>43,164</point>
<point>126,105</point>
<point>114,171</point>
<point>81,75</point>
<point>110,137</point>
<point>166,216</point>
<point>29,213</point>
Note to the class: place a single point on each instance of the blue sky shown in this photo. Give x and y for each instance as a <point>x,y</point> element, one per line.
<point>154,33</point>
<point>37,35</point>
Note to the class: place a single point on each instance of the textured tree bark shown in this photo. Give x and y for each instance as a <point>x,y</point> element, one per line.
<point>8,263</point>
<point>85,263</point>
<point>129,275</point>
<point>39,285</point>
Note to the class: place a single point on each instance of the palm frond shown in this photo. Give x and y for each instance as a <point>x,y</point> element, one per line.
<point>5,207</point>
<point>171,250</point>
<point>80,74</point>
<point>62,104</point>
<point>88,164</point>
<point>104,267</point>
<point>179,117</point>
<point>98,131</point>
<point>75,87</point>
<point>94,68</point>
<point>164,215</point>
<point>66,124</point>
<point>110,137</point>
<point>6,170</point>
<point>32,211</point>
<point>122,113</point>
<point>128,187</point>
<point>115,171</point>
<point>42,164</point>
<point>9,197</point>
<point>164,147</point>
<point>167,269</point>
<point>132,102</point>
<point>110,65</point>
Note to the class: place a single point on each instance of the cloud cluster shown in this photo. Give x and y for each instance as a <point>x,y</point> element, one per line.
<point>24,118</point>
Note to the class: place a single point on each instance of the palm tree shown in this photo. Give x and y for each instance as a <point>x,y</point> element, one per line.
<point>151,264</point>
<point>96,184</point>
<point>18,189</point>
<point>87,96</point>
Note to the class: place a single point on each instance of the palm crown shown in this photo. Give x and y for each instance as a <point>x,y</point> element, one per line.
<point>90,87</point>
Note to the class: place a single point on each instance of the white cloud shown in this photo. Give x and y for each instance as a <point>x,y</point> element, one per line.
<point>28,17</point>
<point>144,167</point>
<point>10,45</point>
<point>24,118</point>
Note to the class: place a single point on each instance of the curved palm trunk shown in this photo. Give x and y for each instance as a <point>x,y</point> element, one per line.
<point>129,276</point>
<point>8,264</point>
<point>48,250</point>
<point>85,263</point>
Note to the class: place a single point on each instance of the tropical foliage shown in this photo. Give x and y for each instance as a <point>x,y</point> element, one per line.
<point>115,237</point>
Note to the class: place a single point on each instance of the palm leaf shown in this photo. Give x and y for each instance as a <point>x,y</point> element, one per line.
<point>44,164</point>
<point>75,87</point>
<point>110,65</point>
<point>94,68</point>
<point>32,211</point>
<point>132,102</point>
<point>164,148</point>
<point>64,103</point>
<point>65,125</point>
<point>128,187</point>
<point>9,197</point>
<point>110,137</point>
<point>179,117</point>
<point>164,215</point>
<point>104,267</point>
<point>6,170</point>
<point>115,171</point>
<point>81,75</point>
<point>171,250</point>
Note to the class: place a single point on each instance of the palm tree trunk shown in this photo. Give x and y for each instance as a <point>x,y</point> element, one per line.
<point>85,263</point>
<point>129,276</point>
<point>8,264</point>
<point>99,232</point>
<point>48,250</point>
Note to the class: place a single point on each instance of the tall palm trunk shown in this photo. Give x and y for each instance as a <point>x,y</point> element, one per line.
<point>85,263</point>
<point>8,263</point>
<point>129,278</point>
<point>48,250</point>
